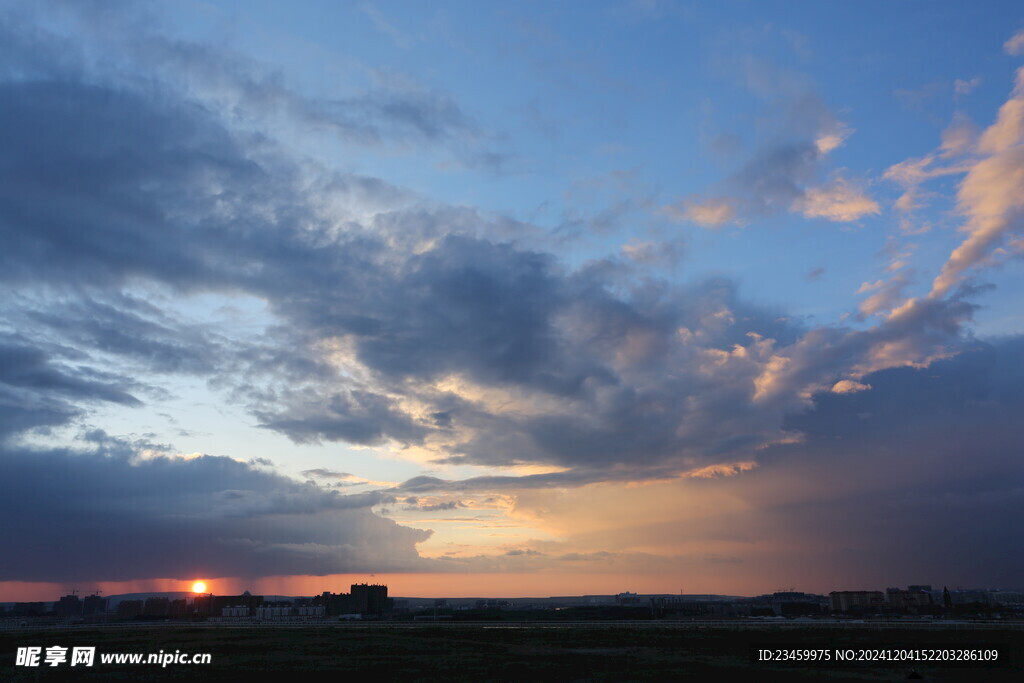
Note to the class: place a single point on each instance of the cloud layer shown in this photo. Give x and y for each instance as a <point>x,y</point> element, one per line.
<point>111,515</point>
<point>439,332</point>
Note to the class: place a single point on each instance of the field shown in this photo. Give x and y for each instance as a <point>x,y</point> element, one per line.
<point>500,652</point>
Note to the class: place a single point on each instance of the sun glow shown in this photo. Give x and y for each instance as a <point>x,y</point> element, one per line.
<point>198,587</point>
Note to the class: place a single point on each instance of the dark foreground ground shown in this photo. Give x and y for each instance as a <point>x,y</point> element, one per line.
<point>501,653</point>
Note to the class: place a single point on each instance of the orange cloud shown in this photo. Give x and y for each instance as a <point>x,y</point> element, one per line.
<point>710,213</point>
<point>839,201</point>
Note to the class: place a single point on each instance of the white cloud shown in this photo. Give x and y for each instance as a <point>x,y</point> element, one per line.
<point>1015,45</point>
<point>849,386</point>
<point>991,196</point>
<point>710,213</point>
<point>870,286</point>
<point>832,139</point>
<point>838,201</point>
<point>886,297</point>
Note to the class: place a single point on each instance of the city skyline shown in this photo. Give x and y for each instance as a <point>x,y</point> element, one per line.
<point>927,588</point>
<point>923,604</point>
<point>476,300</point>
<point>44,592</point>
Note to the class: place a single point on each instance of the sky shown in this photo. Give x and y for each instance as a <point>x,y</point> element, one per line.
<point>480,299</point>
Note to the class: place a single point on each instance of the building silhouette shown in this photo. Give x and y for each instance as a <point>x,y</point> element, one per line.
<point>68,606</point>
<point>369,599</point>
<point>94,604</point>
<point>245,604</point>
<point>157,607</point>
<point>129,609</point>
<point>364,599</point>
<point>857,601</point>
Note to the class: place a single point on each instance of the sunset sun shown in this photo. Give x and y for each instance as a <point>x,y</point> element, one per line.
<point>198,587</point>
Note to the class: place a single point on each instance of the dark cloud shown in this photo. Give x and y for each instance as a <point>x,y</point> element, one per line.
<point>321,473</point>
<point>357,417</point>
<point>36,390</point>
<point>29,369</point>
<point>923,472</point>
<point>109,515</point>
<point>775,176</point>
<point>915,480</point>
<point>969,394</point>
<point>133,330</point>
<point>475,307</point>
<point>413,505</point>
<point>576,477</point>
<point>122,192</point>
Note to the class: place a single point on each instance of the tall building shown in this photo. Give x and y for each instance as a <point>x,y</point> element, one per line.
<point>157,607</point>
<point>68,606</point>
<point>129,609</point>
<point>179,608</point>
<point>94,604</point>
<point>202,605</point>
<point>790,603</point>
<point>370,599</point>
<point>365,599</point>
<point>908,600</point>
<point>334,603</point>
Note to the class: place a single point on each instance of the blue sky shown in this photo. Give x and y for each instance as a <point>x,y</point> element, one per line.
<point>543,289</point>
<point>598,118</point>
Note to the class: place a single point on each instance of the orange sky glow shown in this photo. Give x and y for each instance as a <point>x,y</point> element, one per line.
<point>410,585</point>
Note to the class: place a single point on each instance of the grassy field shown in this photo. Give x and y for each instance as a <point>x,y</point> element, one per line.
<point>477,653</point>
